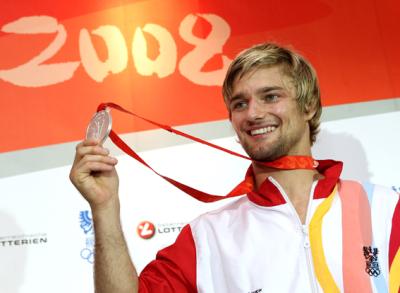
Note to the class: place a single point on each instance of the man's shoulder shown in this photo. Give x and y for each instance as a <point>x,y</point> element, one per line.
<point>370,186</point>
<point>377,194</point>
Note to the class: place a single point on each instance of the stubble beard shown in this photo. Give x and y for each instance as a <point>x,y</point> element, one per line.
<point>264,154</point>
<point>270,153</point>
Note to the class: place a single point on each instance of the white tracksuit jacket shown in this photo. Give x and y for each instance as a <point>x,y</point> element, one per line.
<point>349,243</point>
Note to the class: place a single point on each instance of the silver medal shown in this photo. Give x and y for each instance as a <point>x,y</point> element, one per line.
<point>100,126</point>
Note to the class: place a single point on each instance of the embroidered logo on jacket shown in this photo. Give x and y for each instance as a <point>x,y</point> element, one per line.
<point>371,259</point>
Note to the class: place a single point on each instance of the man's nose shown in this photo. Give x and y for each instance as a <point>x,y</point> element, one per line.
<point>256,110</point>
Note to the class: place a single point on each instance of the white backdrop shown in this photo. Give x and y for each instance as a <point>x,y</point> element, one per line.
<point>46,237</point>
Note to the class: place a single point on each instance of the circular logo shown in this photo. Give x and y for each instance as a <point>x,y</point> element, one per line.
<point>88,254</point>
<point>146,229</point>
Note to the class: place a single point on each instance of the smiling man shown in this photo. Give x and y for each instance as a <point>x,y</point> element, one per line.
<point>265,115</point>
<point>299,228</point>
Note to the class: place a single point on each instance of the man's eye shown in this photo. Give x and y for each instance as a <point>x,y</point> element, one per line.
<point>238,105</point>
<point>271,98</point>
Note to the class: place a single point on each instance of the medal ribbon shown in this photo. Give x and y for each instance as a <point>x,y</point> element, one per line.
<point>285,163</point>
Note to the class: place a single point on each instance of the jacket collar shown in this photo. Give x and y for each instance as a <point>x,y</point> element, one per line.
<point>269,195</point>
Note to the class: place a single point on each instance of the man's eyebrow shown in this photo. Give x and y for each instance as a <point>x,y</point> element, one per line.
<point>267,89</point>
<point>262,90</point>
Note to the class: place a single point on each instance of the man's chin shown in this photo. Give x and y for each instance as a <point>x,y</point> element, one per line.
<point>263,157</point>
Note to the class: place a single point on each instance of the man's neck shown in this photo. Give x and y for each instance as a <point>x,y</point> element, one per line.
<point>295,183</point>
<point>286,178</point>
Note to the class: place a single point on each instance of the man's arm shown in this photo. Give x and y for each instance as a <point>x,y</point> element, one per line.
<point>93,174</point>
<point>113,268</point>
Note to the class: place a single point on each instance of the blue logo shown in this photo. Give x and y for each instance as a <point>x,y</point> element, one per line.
<point>88,254</point>
<point>86,224</point>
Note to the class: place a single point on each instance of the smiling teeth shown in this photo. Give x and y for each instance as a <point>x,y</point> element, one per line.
<point>263,130</point>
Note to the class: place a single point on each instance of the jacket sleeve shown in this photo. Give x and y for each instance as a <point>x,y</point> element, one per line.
<point>174,269</point>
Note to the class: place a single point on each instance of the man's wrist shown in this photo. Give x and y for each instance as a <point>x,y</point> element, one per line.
<point>108,210</point>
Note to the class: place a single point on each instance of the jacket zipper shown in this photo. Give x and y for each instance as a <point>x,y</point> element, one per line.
<point>304,229</point>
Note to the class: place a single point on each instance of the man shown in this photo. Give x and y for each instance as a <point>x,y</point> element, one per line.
<point>297,230</point>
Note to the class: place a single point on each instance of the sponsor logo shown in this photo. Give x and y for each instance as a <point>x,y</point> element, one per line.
<point>23,240</point>
<point>256,291</point>
<point>86,224</point>
<point>147,230</point>
<point>396,189</point>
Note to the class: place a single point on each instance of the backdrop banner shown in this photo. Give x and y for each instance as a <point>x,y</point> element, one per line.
<point>166,59</point>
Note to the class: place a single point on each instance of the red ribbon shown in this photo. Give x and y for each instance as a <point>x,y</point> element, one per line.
<point>287,162</point>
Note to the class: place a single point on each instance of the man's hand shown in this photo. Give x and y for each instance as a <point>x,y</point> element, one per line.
<point>93,174</point>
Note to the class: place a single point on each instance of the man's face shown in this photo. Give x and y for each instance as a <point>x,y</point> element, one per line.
<point>266,117</point>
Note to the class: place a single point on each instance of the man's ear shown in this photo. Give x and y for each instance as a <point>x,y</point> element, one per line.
<point>310,111</point>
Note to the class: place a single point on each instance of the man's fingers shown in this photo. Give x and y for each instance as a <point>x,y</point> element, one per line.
<point>88,161</point>
<point>92,163</point>
<point>91,157</point>
<point>90,142</point>
<point>89,148</point>
<point>98,166</point>
<point>87,142</point>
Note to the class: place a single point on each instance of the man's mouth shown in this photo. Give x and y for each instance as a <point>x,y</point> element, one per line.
<point>261,131</point>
